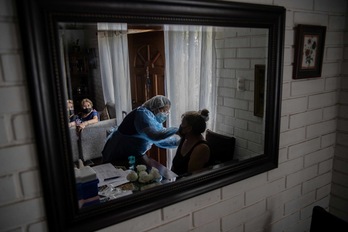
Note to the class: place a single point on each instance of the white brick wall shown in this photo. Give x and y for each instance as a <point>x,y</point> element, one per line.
<point>279,200</point>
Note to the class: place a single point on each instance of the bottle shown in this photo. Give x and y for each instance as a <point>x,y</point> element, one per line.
<point>131,162</point>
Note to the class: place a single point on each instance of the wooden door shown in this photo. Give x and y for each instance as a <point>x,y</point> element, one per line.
<point>146,56</point>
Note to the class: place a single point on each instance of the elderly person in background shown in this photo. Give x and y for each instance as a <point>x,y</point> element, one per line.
<point>87,117</point>
<point>139,130</point>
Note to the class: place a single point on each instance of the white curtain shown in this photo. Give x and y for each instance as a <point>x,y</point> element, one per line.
<point>114,66</point>
<point>190,73</point>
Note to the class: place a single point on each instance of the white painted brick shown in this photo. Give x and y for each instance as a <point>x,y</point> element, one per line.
<point>187,206</point>
<point>330,112</point>
<point>286,91</point>
<point>237,42</point>
<point>344,97</point>
<point>296,204</point>
<point>295,4</point>
<point>292,106</point>
<point>257,224</point>
<point>325,166</point>
<point>229,53</point>
<point>323,191</point>
<point>341,166</point>
<point>12,66</point>
<point>246,74</point>
<point>338,6</point>
<point>247,115</point>
<point>241,186</point>
<point>284,123</point>
<point>307,87</point>
<point>322,100</point>
<point>333,54</point>
<point>18,158</point>
<point>340,178</point>
<point>278,201</point>
<point>226,92</point>
<point>286,168</point>
<point>283,152</point>
<point>289,17</point>
<point>296,178</point>
<point>259,41</point>
<point>236,63</point>
<point>334,38</point>
<point>318,156</point>
<point>328,140</point>
<point>331,70</point>
<point>316,183</point>
<point>212,226</point>
<point>30,186</point>
<point>4,138</point>
<point>342,139</point>
<point>287,73</point>
<point>311,18</point>
<point>140,223</point>
<point>182,224</point>
<point>8,38</point>
<point>292,136</point>
<point>218,210</point>
<point>339,190</point>
<point>251,53</point>
<point>321,128</point>
<point>305,118</point>
<point>288,56</point>
<point>38,227</point>
<point>243,216</point>
<point>8,194</point>
<point>259,193</point>
<point>22,213</point>
<point>303,148</point>
<point>336,23</point>
<point>17,99</point>
<point>289,37</point>
<point>23,121</point>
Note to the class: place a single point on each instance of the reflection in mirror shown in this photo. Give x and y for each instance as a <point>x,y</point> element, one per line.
<point>119,66</point>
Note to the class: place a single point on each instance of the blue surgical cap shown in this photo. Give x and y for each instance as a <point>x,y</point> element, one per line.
<point>156,102</point>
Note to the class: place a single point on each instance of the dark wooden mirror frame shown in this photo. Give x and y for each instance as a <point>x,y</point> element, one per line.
<point>38,25</point>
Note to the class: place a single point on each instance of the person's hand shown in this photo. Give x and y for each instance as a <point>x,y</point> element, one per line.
<point>83,125</point>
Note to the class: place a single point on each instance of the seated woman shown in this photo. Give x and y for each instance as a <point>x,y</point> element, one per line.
<point>71,113</point>
<point>87,117</point>
<point>193,152</point>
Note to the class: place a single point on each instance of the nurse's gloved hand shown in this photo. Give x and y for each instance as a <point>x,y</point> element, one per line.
<point>172,130</point>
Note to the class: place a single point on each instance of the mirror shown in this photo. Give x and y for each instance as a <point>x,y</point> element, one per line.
<point>51,84</point>
<point>235,59</point>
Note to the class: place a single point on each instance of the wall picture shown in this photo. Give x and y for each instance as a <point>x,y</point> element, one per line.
<point>309,50</point>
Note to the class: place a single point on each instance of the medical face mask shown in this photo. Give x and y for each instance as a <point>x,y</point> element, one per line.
<point>87,110</point>
<point>161,117</point>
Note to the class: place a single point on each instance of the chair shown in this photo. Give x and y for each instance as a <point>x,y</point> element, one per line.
<point>93,137</point>
<point>325,221</point>
<point>221,147</point>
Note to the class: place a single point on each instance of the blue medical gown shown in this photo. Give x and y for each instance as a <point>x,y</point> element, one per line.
<point>136,135</point>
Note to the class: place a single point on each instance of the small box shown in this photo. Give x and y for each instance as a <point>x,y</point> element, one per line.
<point>86,185</point>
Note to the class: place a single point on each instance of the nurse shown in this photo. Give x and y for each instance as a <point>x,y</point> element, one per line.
<point>139,130</point>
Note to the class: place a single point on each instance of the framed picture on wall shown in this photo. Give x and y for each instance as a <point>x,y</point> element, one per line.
<point>309,51</point>
<point>259,89</point>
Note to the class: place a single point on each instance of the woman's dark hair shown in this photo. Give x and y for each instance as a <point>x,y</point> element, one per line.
<point>197,120</point>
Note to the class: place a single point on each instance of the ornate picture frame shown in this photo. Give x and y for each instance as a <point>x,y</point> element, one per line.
<point>309,51</point>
